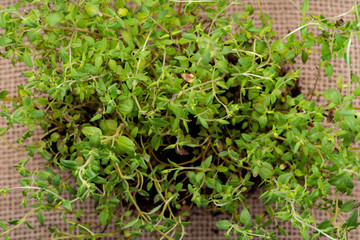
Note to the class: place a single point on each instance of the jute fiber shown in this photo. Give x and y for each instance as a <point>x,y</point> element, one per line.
<point>286,18</point>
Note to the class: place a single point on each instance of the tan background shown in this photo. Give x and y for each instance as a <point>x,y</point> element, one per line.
<point>286,17</point>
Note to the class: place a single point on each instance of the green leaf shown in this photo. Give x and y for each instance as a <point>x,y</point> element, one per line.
<point>304,56</point>
<point>67,205</point>
<point>41,183</point>
<point>27,60</point>
<point>40,218</point>
<point>3,94</point>
<point>222,121</point>
<point>262,121</point>
<point>248,8</point>
<point>158,122</point>
<point>236,19</point>
<point>122,12</point>
<point>29,225</point>
<point>285,178</point>
<point>126,106</point>
<point>96,117</point>
<point>223,224</point>
<point>290,55</point>
<point>95,141</point>
<point>203,123</point>
<point>98,61</point>
<point>305,6</point>
<point>127,37</point>
<point>206,56</point>
<point>209,99</point>
<point>351,221</point>
<point>155,142</point>
<point>55,180</point>
<point>124,145</point>
<point>26,101</point>
<point>265,173</point>
<point>14,222</point>
<point>54,18</point>
<point>183,41</point>
<point>356,91</point>
<point>333,95</point>
<point>90,174</point>
<point>103,216</point>
<point>44,175</point>
<point>173,163</point>
<point>246,137</point>
<point>131,223</point>
<point>4,41</point>
<point>251,28</point>
<point>134,132</point>
<point>304,233</point>
<point>76,43</point>
<point>92,10</point>
<point>284,216</point>
<point>199,177</point>
<point>81,191</point>
<point>71,165</point>
<point>278,45</point>
<point>245,216</point>
<point>154,210</point>
<point>355,78</point>
<point>347,206</point>
<point>329,70</point>
<point>181,58</point>
<point>325,50</point>
<point>55,137</point>
<point>3,226</point>
<point>37,114</point>
<point>108,126</point>
<point>297,146</point>
<point>222,168</point>
<point>24,182</point>
<point>46,155</point>
<point>112,65</point>
<point>189,36</point>
<point>281,230</point>
<point>207,162</point>
<point>89,131</point>
<point>64,56</point>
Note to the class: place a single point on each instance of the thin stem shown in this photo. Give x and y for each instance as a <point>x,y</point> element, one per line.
<point>84,236</point>
<point>299,28</point>
<point>135,203</point>
<point>9,99</point>
<point>296,6</point>
<point>301,221</point>
<point>317,76</point>
<point>13,147</point>
<point>22,220</point>
<point>348,64</point>
<point>318,22</point>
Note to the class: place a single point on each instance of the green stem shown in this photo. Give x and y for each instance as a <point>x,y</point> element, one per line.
<point>22,220</point>
<point>135,203</point>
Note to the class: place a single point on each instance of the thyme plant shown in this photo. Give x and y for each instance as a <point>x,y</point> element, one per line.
<point>164,104</point>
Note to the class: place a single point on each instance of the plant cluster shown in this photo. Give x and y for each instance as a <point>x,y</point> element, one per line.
<point>165,104</point>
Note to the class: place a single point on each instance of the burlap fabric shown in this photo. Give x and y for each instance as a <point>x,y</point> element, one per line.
<point>286,17</point>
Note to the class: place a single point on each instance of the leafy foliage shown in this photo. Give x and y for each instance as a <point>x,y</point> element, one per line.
<point>157,104</point>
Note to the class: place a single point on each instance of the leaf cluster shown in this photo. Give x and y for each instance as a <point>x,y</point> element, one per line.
<point>163,105</point>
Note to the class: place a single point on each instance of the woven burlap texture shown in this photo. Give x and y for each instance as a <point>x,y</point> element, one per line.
<point>286,18</point>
